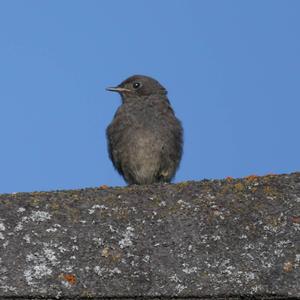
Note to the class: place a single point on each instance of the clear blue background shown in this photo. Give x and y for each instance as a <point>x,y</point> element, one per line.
<point>232,69</point>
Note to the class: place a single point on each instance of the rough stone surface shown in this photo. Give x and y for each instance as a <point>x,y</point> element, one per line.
<point>232,238</point>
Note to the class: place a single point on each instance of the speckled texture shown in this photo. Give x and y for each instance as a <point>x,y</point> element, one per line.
<point>221,238</point>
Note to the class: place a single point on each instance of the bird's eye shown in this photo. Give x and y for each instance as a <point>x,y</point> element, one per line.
<point>136,85</point>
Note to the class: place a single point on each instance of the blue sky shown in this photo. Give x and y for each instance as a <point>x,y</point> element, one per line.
<point>232,69</point>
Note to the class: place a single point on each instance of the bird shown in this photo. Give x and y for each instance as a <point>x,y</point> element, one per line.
<point>145,138</point>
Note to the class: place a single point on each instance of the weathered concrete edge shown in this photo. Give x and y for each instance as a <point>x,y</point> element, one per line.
<point>136,196</point>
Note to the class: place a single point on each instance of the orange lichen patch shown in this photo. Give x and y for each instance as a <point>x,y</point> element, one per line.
<point>239,187</point>
<point>103,187</point>
<point>229,178</point>
<point>287,266</point>
<point>251,177</point>
<point>70,278</point>
<point>296,219</point>
<point>270,191</point>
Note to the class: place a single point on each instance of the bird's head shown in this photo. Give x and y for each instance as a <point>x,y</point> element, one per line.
<point>138,86</point>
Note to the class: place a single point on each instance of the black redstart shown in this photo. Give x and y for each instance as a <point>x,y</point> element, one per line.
<point>144,138</point>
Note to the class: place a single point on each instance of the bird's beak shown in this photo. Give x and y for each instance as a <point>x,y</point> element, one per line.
<point>117,89</point>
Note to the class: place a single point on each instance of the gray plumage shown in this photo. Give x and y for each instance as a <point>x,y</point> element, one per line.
<point>145,137</point>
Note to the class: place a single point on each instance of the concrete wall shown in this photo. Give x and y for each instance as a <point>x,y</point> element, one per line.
<point>229,238</point>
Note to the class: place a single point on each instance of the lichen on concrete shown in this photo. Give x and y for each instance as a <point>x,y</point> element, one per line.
<point>218,238</point>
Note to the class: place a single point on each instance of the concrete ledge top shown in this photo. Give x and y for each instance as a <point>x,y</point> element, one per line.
<point>220,238</point>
